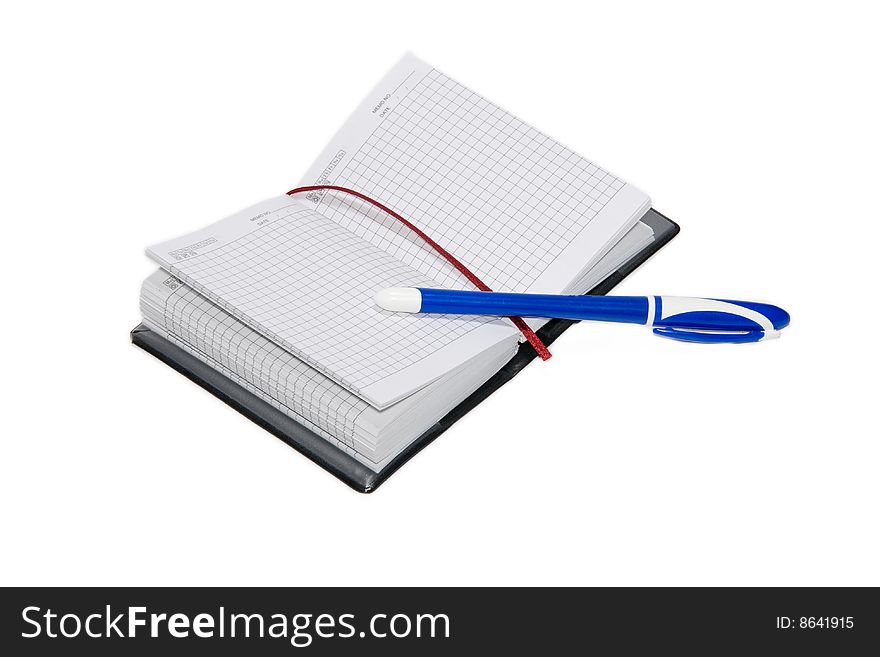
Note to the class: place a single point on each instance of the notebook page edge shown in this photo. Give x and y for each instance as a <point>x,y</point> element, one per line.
<point>371,428</point>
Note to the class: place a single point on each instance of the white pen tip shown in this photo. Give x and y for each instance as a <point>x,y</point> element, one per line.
<point>399,299</point>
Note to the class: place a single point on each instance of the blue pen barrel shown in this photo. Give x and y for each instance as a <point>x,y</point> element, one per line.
<point>630,310</point>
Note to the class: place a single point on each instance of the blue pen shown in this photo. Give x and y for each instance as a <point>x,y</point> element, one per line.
<point>687,319</point>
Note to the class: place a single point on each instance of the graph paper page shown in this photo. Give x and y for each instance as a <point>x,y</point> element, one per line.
<point>202,328</point>
<point>307,283</point>
<point>520,209</point>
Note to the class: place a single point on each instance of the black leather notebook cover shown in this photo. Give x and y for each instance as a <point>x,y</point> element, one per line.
<point>330,457</point>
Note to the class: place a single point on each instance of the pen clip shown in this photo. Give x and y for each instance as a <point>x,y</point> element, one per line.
<point>714,337</point>
<point>717,321</point>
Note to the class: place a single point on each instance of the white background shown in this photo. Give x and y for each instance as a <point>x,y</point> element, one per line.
<point>625,460</point>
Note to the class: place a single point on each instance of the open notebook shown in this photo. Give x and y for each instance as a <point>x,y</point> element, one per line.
<point>278,298</point>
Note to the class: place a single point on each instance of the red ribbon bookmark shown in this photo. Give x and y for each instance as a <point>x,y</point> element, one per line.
<point>529,334</point>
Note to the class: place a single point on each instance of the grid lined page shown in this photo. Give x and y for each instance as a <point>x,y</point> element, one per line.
<point>206,331</point>
<point>307,283</point>
<point>518,208</point>
<point>227,344</point>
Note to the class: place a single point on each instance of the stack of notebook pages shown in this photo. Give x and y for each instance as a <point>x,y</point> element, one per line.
<point>279,297</point>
